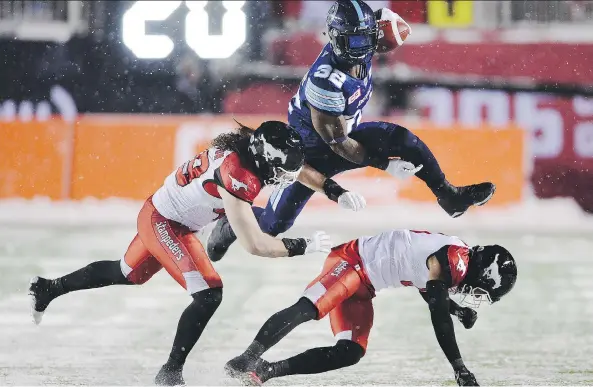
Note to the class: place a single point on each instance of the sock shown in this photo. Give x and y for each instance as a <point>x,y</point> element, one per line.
<point>191,324</point>
<point>314,361</point>
<point>279,325</point>
<point>95,275</point>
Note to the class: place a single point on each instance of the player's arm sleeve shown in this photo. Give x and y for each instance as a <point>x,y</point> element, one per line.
<point>454,308</point>
<point>236,180</point>
<point>324,96</point>
<point>438,303</point>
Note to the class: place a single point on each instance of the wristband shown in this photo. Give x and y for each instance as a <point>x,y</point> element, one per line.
<point>295,246</point>
<point>332,190</point>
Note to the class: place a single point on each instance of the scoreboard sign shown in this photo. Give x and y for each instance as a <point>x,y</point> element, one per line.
<point>196,25</point>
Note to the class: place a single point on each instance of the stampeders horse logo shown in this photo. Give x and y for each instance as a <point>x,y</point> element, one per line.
<point>161,228</point>
<point>237,185</point>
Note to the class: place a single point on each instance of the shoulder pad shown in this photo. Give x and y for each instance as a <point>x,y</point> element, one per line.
<point>237,180</point>
<point>453,260</point>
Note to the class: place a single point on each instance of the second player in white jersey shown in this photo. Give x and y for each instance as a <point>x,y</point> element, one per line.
<point>434,263</point>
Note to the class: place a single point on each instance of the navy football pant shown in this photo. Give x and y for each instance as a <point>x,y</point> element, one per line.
<point>379,138</point>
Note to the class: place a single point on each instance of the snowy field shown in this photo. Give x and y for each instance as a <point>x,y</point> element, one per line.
<point>540,334</point>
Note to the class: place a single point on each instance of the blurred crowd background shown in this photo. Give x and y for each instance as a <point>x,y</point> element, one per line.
<point>495,63</point>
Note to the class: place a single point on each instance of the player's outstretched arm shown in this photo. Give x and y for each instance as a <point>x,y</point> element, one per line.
<point>438,303</point>
<point>256,242</point>
<point>316,181</point>
<point>332,130</point>
<point>467,316</point>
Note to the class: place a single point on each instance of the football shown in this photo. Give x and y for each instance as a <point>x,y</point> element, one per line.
<point>393,31</point>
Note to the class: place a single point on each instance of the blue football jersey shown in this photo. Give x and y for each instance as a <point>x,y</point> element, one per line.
<point>331,91</point>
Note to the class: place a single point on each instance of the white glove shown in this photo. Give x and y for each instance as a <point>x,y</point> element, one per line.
<point>319,242</point>
<point>401,169</point>
<point>352,201</point>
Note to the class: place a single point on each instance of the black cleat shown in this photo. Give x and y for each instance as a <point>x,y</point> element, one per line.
<point>261,374</point>
<point>237,366</point>
<point>41,295</point>
<point>245,370</point>
<point>169,376</point>
<point>221,238</point>
<point>457,201</point>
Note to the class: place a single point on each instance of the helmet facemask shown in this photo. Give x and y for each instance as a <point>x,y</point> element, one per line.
<point>355,47</point>
<point>282,178</point>
<point>473,297</point>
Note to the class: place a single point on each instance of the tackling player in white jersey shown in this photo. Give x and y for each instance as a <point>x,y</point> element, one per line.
<point>436,264</point>
<point>224,179</point>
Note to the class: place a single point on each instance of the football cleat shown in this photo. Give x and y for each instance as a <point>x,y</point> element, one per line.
<point>39,291</point>
<point>457,202</point>
<point>169,376</point>
<point>220,239</point>
<point>247,372</point>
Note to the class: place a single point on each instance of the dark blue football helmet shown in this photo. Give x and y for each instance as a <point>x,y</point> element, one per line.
<point>352,29</point>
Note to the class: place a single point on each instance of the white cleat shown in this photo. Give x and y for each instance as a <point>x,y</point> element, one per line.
<point>33,293</point>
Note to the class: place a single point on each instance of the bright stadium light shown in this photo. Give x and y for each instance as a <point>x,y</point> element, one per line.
<point>234,25</point>
<point>208,46</point>
<point>134,29</point>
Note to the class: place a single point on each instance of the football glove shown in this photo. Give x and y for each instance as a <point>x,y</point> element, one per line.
<point>401,169</point>
<point>318,242</point>
<point>467,316</point>
<point>465,378</point>
<point>352,201</point>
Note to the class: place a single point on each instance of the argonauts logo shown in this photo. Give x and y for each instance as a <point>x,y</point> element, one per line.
<point>161,228</point>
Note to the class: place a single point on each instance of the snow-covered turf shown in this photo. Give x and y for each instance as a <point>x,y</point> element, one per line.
<point>542,333</point>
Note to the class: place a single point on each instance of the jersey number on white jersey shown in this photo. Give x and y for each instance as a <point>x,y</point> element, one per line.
<point>192,169</point>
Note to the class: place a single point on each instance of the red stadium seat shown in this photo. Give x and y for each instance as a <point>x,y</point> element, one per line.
<point>413,11</point>
<point>259,98</point>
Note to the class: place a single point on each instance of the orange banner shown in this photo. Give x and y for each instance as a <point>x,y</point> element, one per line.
<point>129,156</point>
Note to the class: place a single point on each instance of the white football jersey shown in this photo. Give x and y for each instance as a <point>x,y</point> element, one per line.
<point>398,258</point>
<point>190,194</point>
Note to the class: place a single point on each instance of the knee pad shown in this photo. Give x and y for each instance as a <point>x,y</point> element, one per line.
<point>350,351</point>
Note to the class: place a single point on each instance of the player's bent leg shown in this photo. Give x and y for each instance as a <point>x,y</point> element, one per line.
<point>393,140</point>
<point>338,281</point>
<point>136,267</point>
<point>351,322</point>
<point>191,324</point>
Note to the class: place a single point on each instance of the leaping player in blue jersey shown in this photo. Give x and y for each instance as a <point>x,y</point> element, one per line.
<point>327,110</point>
